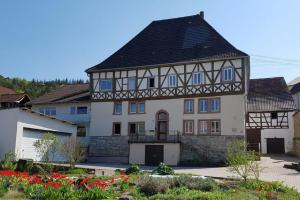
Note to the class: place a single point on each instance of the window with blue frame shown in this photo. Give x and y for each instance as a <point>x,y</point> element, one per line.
<point>198,78</point>
<point>227,74</point>
<point>203,105</point>
<point>172,80</point>
<point>106,85</point>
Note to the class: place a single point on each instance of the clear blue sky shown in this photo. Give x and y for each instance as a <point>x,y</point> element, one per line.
<point>61,38</point>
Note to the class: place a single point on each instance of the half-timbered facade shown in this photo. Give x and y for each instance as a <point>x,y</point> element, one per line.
<point>269,121</point>
<point>176,92</point>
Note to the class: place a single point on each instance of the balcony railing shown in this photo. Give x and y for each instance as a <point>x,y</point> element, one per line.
<point>172,136</point>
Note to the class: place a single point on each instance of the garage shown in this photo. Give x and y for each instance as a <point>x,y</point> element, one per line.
<point>275,146</point>
<point>30,136</point>
<point>154,154</point>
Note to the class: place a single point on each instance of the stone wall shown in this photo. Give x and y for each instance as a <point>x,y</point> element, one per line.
<point>205,148</point>
<point>108,149</point>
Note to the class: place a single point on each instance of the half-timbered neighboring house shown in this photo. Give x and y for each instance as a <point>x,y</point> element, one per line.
<point>269,120</point>
<point>174,93</point>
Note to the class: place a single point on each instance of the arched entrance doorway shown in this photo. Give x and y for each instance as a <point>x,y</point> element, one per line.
<point>162,124</point>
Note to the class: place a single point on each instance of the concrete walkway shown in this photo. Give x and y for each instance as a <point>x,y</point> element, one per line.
<point>273,170</point>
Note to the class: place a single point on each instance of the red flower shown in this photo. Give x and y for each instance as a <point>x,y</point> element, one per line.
<point>85,180</point>
<point>53,185</point>
<point>7,173</point>
<point>35,179</point>
<point>58,176</point>
<point>100,183</point>
<point>112,180</point>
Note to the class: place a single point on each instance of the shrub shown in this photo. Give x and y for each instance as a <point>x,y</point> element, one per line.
<point>77,171</point>
<point>73,151</point>
<point>47,147</point>
<point>242,162</point>
<point>163,169</point>
<point>195,183</point>
<point>150,186</point>
<point>133,169</point>
<point>9,161</point>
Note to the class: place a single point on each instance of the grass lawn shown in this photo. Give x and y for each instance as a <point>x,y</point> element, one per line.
<point>14,195</point>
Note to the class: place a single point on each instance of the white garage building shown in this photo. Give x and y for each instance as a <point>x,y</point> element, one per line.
<point>21,127</point>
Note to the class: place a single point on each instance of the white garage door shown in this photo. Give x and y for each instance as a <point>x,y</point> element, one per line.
<point>28,149</point>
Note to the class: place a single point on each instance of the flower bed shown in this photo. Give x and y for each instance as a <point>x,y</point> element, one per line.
<point>58,186</point>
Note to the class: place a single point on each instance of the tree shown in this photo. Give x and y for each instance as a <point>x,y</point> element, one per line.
<point>72,151</point>
<point>242,162</point>
<point>47,147</point>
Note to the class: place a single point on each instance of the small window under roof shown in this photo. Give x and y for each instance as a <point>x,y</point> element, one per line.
<point>194,36</point>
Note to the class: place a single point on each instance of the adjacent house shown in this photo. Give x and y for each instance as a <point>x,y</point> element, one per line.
<point>269,120</point>
<point>21,128</point>
<point>70,103</point>
<point>10,99</point>
<point>174,93</point>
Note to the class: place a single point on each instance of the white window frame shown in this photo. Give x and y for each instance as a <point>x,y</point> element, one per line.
<point>198,78</point>
<point>138,126</point>
<point>225,73</point>
<point>172,80</point>
<point>106,81</point>
<point>203,127</point>
<point>213,129</point>
<point>138,107</point>
<point>215,102</point>
<point>188,106</point>
<point>115,108</point>
<point>131,83</point>
<point>188,127</point>
<point>200,105</point>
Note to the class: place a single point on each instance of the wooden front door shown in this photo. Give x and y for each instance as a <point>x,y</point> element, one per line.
<point>275,145</point>
<point>253,139</point>
<point>154,154</point>
<point>162,125</point>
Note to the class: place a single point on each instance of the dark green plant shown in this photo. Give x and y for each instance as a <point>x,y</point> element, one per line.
<point>163,169</point>
<point>133,169</point>
<point>9,161</point>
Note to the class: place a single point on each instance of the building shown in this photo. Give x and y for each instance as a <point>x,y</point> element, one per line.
<point>70,103</point>
<point>174,93</point>
<point>294,87</point>
<point>21,127</point>
<point>269,120</point>
<point>10,99</point>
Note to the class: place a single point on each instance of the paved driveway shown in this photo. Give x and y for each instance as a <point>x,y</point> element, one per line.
<point>273,170</point>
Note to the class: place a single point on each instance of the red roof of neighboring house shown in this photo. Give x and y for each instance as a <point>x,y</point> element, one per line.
<point>5,90</point>
<point>10,98</point>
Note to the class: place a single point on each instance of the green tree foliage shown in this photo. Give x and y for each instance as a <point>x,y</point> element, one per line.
<point>47,147</point>
<point>35,88</point>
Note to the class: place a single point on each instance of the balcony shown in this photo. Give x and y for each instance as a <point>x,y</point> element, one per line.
<point>76,118</point>
<point>172,136</point>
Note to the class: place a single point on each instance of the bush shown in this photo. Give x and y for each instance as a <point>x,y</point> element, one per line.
<point>133,169</point>
<point>195,183</point>
<point>163,169</point>
<point>9,162</point>
<point>150,186</point>
<point>77,171</point>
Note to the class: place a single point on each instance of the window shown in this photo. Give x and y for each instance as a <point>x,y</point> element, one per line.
<point>215,105</point>
<point>188,126</point>
<point>81,110</point>
<point>81,131</point>
<point>131,83</point>
<point>215,126</point>
<point>274,115</point>
<point>198,78</point>
<point>73,110</point>
<point>116,128</point>
<point>188,106</point>
<point>227,74</point>
<point>50,111</point>
<point>136,107</point>
<point>151,82</point>
<point>203,105</point>
<point>172,80</point>
<point>203,127</point>
<point>106,85</point>
<point>136,128</point>
<point>118,108</point>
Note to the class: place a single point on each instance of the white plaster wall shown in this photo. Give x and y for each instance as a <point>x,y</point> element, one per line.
<point>231,115</point>
<point>63,112</point>
<point>35,121</point>
<point>8,130</point>
<point>287,134</point>
<point>171,153</point>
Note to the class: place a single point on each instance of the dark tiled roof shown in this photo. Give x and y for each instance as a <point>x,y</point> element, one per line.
<point>11,98</point>
<point>67,93</point>
<point>5,90</point>
<point>269,94</point>
<point>169,41</point>
<point>295,88</point>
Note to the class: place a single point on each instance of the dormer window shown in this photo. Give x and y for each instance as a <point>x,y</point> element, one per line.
<point>172,80</point>
<point>227,74</point>
<point>106,85</point>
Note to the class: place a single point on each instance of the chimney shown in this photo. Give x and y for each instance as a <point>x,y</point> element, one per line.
<point>201,14</point>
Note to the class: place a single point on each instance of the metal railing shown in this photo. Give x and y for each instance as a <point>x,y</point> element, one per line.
<point>172,136</point>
